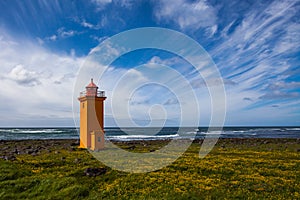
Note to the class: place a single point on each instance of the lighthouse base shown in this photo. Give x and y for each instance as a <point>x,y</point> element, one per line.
<point>97,140</point>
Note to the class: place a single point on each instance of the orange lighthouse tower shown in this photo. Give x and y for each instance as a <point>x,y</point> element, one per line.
<point>92,117</point>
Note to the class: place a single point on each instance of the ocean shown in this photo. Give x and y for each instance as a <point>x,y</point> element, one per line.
<point>130,134</point>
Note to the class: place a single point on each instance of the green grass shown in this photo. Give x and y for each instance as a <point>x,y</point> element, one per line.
<point>246,169</point>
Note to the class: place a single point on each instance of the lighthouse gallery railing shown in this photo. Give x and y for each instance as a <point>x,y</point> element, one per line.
<point>99,94</point>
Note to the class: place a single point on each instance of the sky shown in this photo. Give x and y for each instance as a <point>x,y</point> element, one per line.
<point>255,46</point>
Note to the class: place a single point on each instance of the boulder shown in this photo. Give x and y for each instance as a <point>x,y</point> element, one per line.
<point>94,171</point>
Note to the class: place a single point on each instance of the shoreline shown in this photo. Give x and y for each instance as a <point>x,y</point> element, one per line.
<point>9,149</point>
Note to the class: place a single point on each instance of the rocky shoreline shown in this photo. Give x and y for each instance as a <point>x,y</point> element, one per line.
<point>11,148</point>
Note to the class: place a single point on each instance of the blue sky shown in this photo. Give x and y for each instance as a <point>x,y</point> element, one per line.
<point>255,45</point>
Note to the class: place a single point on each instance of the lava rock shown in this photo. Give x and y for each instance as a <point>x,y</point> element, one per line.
<point>16,151</point>
<point>9,157</point>
<point>75,143</point>
<point>94,171</point>
<point>131,147</point>
<point>30,151</point>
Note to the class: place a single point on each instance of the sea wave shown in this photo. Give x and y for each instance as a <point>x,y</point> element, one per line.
<point>31,131</point>
<point>141,137</point>
<point>151,133</point>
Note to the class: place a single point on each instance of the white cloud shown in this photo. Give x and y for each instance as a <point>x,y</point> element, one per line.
<point>285,85</point>
<point>127,3</point>
<point>39,69</point>
<point>280,95</point>
<point>86,24</point>
<point>167,62</point>
<point>213,30</point>
<point>186,14</point>
<point>23,76</point>
<point>62,33</point>
<point>52,38</point>
<point>101,4</point>
<point>289,43</point>
<point>99,39</point>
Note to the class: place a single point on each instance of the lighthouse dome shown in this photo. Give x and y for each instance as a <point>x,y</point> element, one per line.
<point>91,89</point>
<point>92,84</point>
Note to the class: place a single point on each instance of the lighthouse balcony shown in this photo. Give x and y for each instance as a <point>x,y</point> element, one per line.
<point>97,94</point>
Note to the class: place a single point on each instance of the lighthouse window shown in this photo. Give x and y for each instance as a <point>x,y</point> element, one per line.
<point>82,105</point>
<point>99,139</point>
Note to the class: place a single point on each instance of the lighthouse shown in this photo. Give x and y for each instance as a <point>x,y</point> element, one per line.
<point>92,117</point>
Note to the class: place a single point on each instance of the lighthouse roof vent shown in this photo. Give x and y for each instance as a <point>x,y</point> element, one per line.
<point>92,85</point>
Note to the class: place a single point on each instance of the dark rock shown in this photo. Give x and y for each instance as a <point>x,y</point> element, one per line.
<point>94,171</point>
<point>16,151</point>
<point>9,157</point>
<point>5,148</point>
<point>22,151</point>
<point>73,149</point>
<point>30,151</point>
<point>152,150</point>
<point>75,143</point>
<point>131,147</point>
<point>40,148</point>
<point>63,158</point>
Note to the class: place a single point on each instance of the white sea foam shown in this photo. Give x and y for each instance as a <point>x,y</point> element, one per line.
<point>141,137</point>
<point>293,129</point>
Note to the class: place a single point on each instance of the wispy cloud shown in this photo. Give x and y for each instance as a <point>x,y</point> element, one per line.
<point>280,95</point>
<point>186,14</point>
<point>171,101</point>
<point>94,26</point>
<point>256,52</point>
<point>99,39</point>
<point>62,33</point>
<point>101,4</point>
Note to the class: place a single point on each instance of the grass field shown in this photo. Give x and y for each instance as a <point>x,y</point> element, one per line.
<point>235,169</point>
